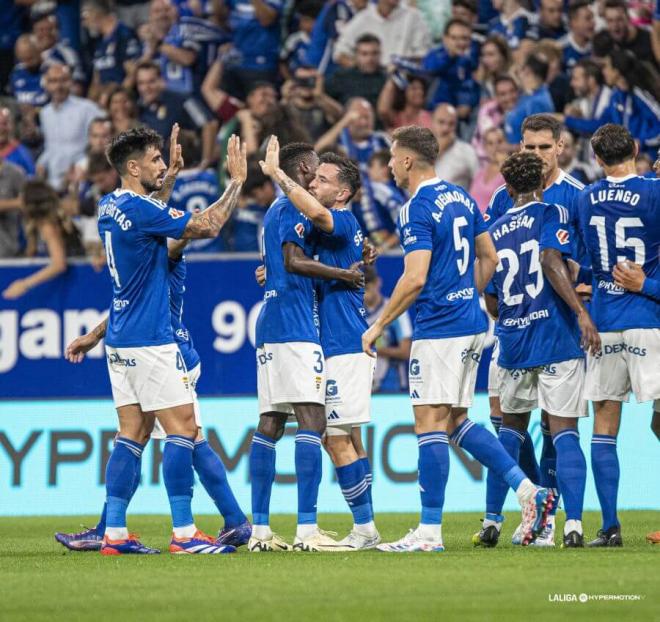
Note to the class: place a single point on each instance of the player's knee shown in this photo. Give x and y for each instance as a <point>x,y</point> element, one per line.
<point>272,427</point>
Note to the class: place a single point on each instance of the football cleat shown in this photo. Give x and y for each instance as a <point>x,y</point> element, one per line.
<point>573,540</point>
<point>319,541</point>
<point>356,541</point>
<point>535,514</point>
<point>273,544</point>
<point>610,537</point>
<point>199,544</point>
<point>129,546</point>
<point>412,543</point>
<point>86,540</point>
<point>517,537</point>
<point>235,536</point>
<point>546,538</point>
<point>653,537</point>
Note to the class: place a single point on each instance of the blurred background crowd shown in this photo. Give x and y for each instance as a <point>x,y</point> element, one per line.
<point>340,74</point>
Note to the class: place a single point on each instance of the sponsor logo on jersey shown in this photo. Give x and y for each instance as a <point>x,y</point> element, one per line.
<point>271,293</point>
<point>562,236</point>
<point>182,334</point>
<point>615,348</point>
<point>408,237</point>
<point>523,322</point>
<point>118,304</point>
<point>466,293</point>
<point>611,287</point>
<point>115,359</point>
<point>300,230</point>
<point>175,213</point>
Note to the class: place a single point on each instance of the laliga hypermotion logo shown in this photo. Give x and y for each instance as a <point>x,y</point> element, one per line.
<point>175,213</point>
<point>562,236</point>
<point>300,230</point>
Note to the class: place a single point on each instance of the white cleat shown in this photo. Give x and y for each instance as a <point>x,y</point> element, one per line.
<point>546,538</point>
<point>273,544</point>
<point>517,536</point>
<point>412,543</point>
<point>357,541</point>
<point>320,541</point>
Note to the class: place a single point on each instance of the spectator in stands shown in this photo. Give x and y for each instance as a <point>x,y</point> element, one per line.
<point>581,27</point>
<point>365,79</point>
<point>634,102</point>
<point>536,98</point>
<point>494,61</point>
<point>256,33</point>
<point>467,11</point>
<point>294,51</point>
<point>116,51</point>
<point>49,232</point>
<point>393,348</point>
<point>568,160</point>
<point>601,45</point>
<point>488,178</point>
<point>11,150</point>
<point>11,20</point>
<point>491,113</point>
<point>12,179</point>
<point>133,13</point>
<point>627,35</point>
<point>558,82</point>
<point>122,110</point>
<point>513,22</point>
<point>25,79</point>
<point>400,28</point>
<point>457,161</point>
<point>64,123</point>
<point>644,165</point>
<point>98,139</point>
<point>247,221</point>
<point>334,16</point>
<point>160,109</point>
<point>402,102</point>
<point>453,64</point>
<point>550,23</point>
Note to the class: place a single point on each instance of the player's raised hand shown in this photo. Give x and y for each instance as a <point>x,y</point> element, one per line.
<point>354,275</point>
<point>369,338</point>
<point>76,350</point>
<point>260,275</point>
<point>272,162</point>
<point>237,159</point>
<point>176,157</point>
<point>590,339</point>
<point>629,275</point>
<point>369,252</point>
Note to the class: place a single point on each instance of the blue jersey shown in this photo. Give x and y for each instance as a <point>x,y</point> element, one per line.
<point>26,87</point>
<point>534,103</point>
<point>565,191</point>
<point>194,190</point>
<point>572,52</point>
<point>182,337</point>
<point>454,73</point>
<point>179,78</point>
<point>288,312</point>
<point>514,29</point>
<point>113,51</point>
<point>444,219</point>
<point>19,155</point>
<point>620,219</point>
<point>535,326</point>
<point>258,45</point>
<point>134,230</point>
<point>333,15</point>
<point>247,223</point>
<point>378,207</point>
<point>362,151</point>
<point>343,317</point>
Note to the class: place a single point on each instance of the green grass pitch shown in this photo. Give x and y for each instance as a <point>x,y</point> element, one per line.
<point>40,581</point>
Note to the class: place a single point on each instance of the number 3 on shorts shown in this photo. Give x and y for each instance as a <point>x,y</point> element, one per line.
<point>318,368</point>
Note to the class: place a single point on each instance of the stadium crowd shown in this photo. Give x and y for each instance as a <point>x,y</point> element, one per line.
<point>339,74</point>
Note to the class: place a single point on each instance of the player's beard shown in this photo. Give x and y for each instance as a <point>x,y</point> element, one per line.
<point>152,186</point>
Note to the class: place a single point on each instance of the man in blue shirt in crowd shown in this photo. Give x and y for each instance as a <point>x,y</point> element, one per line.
<point>26,77</point>
<point>582,25</point>
<point>449,259</point>
<point>248,220</point>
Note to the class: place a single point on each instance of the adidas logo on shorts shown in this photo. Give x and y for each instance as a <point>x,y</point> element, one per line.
<point>414,395</point>
<point>333,415</point>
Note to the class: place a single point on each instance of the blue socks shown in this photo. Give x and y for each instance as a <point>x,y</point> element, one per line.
<point>308,471</point>
<point>213,476</point>
<point>119,481</point>
<point>100,525</point>
<point>571,472</point>
<point>496,488</point>
<point>549,467</point>
<point>262,476</point>
<point>433,474</point>
<point>605,465</point>
<point>527,460</point>
<point>355,488</point>
<point>368,476</point>
<point>179,478</point>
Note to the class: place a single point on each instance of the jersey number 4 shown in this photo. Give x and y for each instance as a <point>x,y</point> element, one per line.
<point>112,266</point>
<point>533,289</point>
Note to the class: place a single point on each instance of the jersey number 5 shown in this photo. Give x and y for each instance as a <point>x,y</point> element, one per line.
<point>461,244</point>
<point>620,238</point>
<point>111,259</point>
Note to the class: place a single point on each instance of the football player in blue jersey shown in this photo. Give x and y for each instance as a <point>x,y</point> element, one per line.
<point>148,376</point>
<point>291,369</point>
<point>349,371</point>
<point>620,221</point>
<point>206,462</point>
<point>541,134</point>
<point>449,259</point>
<point>540,319</point>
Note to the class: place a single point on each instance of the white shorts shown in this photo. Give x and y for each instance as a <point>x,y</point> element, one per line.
<point>444,371</point>
<point>194,374</point>
<point>494,371</point>
<point>348,391</point>
<point>629,359</point>
<point>289,373</point>
<point>557,388</point>
<point>155,377</point>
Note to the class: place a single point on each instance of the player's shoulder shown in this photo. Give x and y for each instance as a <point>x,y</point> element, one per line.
<point>570,184</point>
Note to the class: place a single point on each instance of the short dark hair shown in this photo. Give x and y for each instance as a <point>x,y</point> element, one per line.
<point>98,163</point>
<point>367,37</point>
<point>148,64</point>
<point>418,139</point>
<point>538,65</point>
<point>575,6</point>
<point>455,22</point>
<point>40,200</point>
<point>132,143</point>
<point>540,122</point>
<point>309,8</point>
<point>292,155</point>
<point>613,144</point>
<point>523,171</point>
<point>470,5</point>
<point>382,156</point>
<point>591,68</point>
<point>504,77</point>
<point>616,4</point>
<point>256,178</point>
<point>348,173</point>
<point>102,6</point>
<point>191,148</point>
<point>602,44</point>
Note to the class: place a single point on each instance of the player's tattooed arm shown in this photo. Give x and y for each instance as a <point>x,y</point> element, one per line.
<point>76,350</point>
<point>176,164</point>
<point>555,270</point>
<point>207,224</point>
<point>304,202</point>
<point>297,262</point>
<point>485,262</point>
